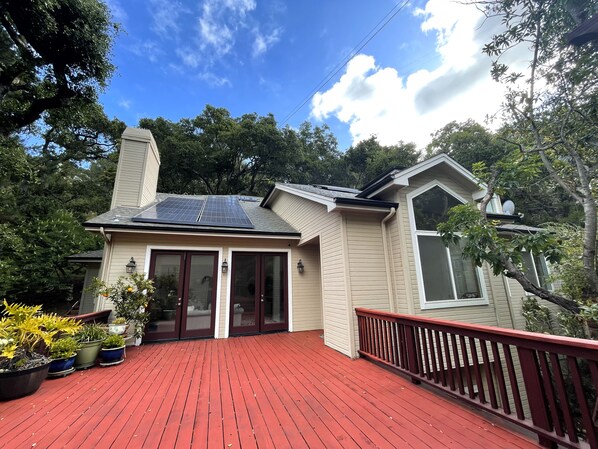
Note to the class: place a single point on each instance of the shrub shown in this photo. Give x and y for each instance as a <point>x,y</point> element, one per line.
<point>91,332</point>
<point>63,348</point>
<point>113,341</point>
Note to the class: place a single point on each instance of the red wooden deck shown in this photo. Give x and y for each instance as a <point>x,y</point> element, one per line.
<point>269,391</point>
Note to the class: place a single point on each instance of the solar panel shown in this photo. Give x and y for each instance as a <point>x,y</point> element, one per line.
<point>224,211</point>
<point>172,210</point>
<point>218,211</point>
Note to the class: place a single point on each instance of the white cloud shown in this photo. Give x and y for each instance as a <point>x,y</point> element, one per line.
<point>117,11</point>
<point>125,104</point>
<point>381,101</point>
<point>149,49</point>
<point>166,17</point>
<point>262,43</point>
<point>214,80</point>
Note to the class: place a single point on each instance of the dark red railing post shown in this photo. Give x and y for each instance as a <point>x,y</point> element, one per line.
<point>412,354</point>
<point>532,378</point>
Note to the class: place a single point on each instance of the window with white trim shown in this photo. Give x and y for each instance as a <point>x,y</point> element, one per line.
<point>446,277</point>
<point>536,269</point>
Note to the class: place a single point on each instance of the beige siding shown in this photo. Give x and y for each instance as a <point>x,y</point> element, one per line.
<point>307,289</point>
<point>408,299</point>
<point>129,174</point>
<point>313,220</point>
<point>137,171</point>
<point>367,269</point>
<point>87,301</point>
<point>305,310</point>
<point>518,295</point>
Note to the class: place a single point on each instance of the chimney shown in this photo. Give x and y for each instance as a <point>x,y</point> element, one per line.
<point>137,171</point>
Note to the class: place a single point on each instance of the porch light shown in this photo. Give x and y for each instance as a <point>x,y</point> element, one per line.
<point>131,266</point>
<point>300,266</point>
<point>224,266</point>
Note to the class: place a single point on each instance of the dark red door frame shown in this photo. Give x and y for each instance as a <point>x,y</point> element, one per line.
<point>260,326</point>
<point>183,296</point>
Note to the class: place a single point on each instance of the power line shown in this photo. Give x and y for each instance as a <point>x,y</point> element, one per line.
<point>354,52</point>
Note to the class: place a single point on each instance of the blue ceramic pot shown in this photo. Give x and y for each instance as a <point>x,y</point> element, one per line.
<point>112,355</point>
<point>59,365</point>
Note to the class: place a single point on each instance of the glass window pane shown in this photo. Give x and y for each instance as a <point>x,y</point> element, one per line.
<point>542,271</point>
<point>244,293</point>
<point>199,305</point>
<point>528,267</point>
<point>274,289</point>
<point>431,208</point>
<point>164,305</point>
<point>435,268</point>
<point>465,273</point>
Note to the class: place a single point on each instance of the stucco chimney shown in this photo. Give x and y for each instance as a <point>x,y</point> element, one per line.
<point>137,171</point>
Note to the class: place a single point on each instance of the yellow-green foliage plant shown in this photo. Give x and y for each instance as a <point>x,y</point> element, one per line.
<point>26,334</point>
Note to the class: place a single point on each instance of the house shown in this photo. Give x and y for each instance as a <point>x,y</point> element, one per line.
<point>301,258</point>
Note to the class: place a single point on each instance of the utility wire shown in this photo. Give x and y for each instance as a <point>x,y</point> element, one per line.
<point>354,52</point>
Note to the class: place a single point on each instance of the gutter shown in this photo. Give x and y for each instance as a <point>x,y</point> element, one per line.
<point>107,238</point>
<point>388,260</point>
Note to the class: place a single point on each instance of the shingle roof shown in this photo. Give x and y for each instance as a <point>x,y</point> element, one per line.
<point>264,220</point>
<point>90,256</point>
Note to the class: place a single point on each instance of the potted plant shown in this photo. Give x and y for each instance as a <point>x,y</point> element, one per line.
<point>90,337</point>
<point>130,296</point>
<point>118,326</point>
<point>63,352</point>
<point>113,350</point>
<point>25,335</point>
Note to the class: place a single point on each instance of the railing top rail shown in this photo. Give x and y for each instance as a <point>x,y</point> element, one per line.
<point>98,317</point>
<point>531,337</point>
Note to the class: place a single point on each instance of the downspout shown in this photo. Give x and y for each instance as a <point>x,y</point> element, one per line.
<point>388,261</point>
<point>101,305</point>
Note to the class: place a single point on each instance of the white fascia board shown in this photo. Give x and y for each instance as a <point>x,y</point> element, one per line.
<point>328,202</point>
<point>401,178</point>
<point>342,207</point>
<point>196,234</point>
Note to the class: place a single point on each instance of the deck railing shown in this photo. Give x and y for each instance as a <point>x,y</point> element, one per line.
<point>544,383</point>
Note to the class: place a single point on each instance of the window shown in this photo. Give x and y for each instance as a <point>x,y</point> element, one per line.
<point>535,269</point>
<point>446,278</point>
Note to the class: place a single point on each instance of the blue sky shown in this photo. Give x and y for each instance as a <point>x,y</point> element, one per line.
<point>421,71</point>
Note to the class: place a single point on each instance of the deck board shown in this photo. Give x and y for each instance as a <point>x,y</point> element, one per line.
<point>283,390</point>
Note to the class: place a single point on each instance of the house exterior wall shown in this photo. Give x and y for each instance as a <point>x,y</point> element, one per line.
<point>313,221</point>
<point>407,293</point>
<point>137,171</point>
<point>87,300</point>
<point>304,306</point>
<point>366,262</point>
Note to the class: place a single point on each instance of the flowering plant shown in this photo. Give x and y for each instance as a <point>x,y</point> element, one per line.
<point>130,296</point>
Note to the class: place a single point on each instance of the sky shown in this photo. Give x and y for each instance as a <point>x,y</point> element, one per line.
<point>423,69</point>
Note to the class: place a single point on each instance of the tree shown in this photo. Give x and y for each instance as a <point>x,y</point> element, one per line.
<point>53,54</point>
<point>369,159</point>
<point>551,115</point>
<point>467,143</point>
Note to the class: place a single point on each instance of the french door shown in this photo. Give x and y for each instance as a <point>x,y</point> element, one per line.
<point>259,296</point>
<point>184,302</point>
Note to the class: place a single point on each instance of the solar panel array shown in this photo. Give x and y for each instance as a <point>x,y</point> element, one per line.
<point>224,211</point>
<point>217,211</point>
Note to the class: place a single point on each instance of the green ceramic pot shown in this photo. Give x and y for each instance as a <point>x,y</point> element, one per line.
<point>87,355</point>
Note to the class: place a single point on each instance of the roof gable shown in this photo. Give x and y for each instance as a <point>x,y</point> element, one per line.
<point>401,178</point>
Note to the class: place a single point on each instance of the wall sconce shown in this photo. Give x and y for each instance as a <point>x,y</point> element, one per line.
<point>224,266</point>
<point>131,267</point>
<point>300,266</point>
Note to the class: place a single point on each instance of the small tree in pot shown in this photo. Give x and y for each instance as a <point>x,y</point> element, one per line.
<point>63,352</point>
<point>130,296</point>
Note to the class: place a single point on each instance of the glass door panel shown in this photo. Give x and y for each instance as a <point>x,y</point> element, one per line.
<point>259,293</point>
<point>274,292</point>
<point>244,297</point>
<point>166,271</point>
<point>199,299</point>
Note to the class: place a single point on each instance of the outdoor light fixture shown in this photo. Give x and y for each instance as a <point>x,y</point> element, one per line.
<point>224,266</point>
<point>300,266</point>
<point>131,266</point>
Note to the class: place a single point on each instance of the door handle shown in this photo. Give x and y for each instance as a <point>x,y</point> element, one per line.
<point>262,298</point>
<point>180,302</point>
